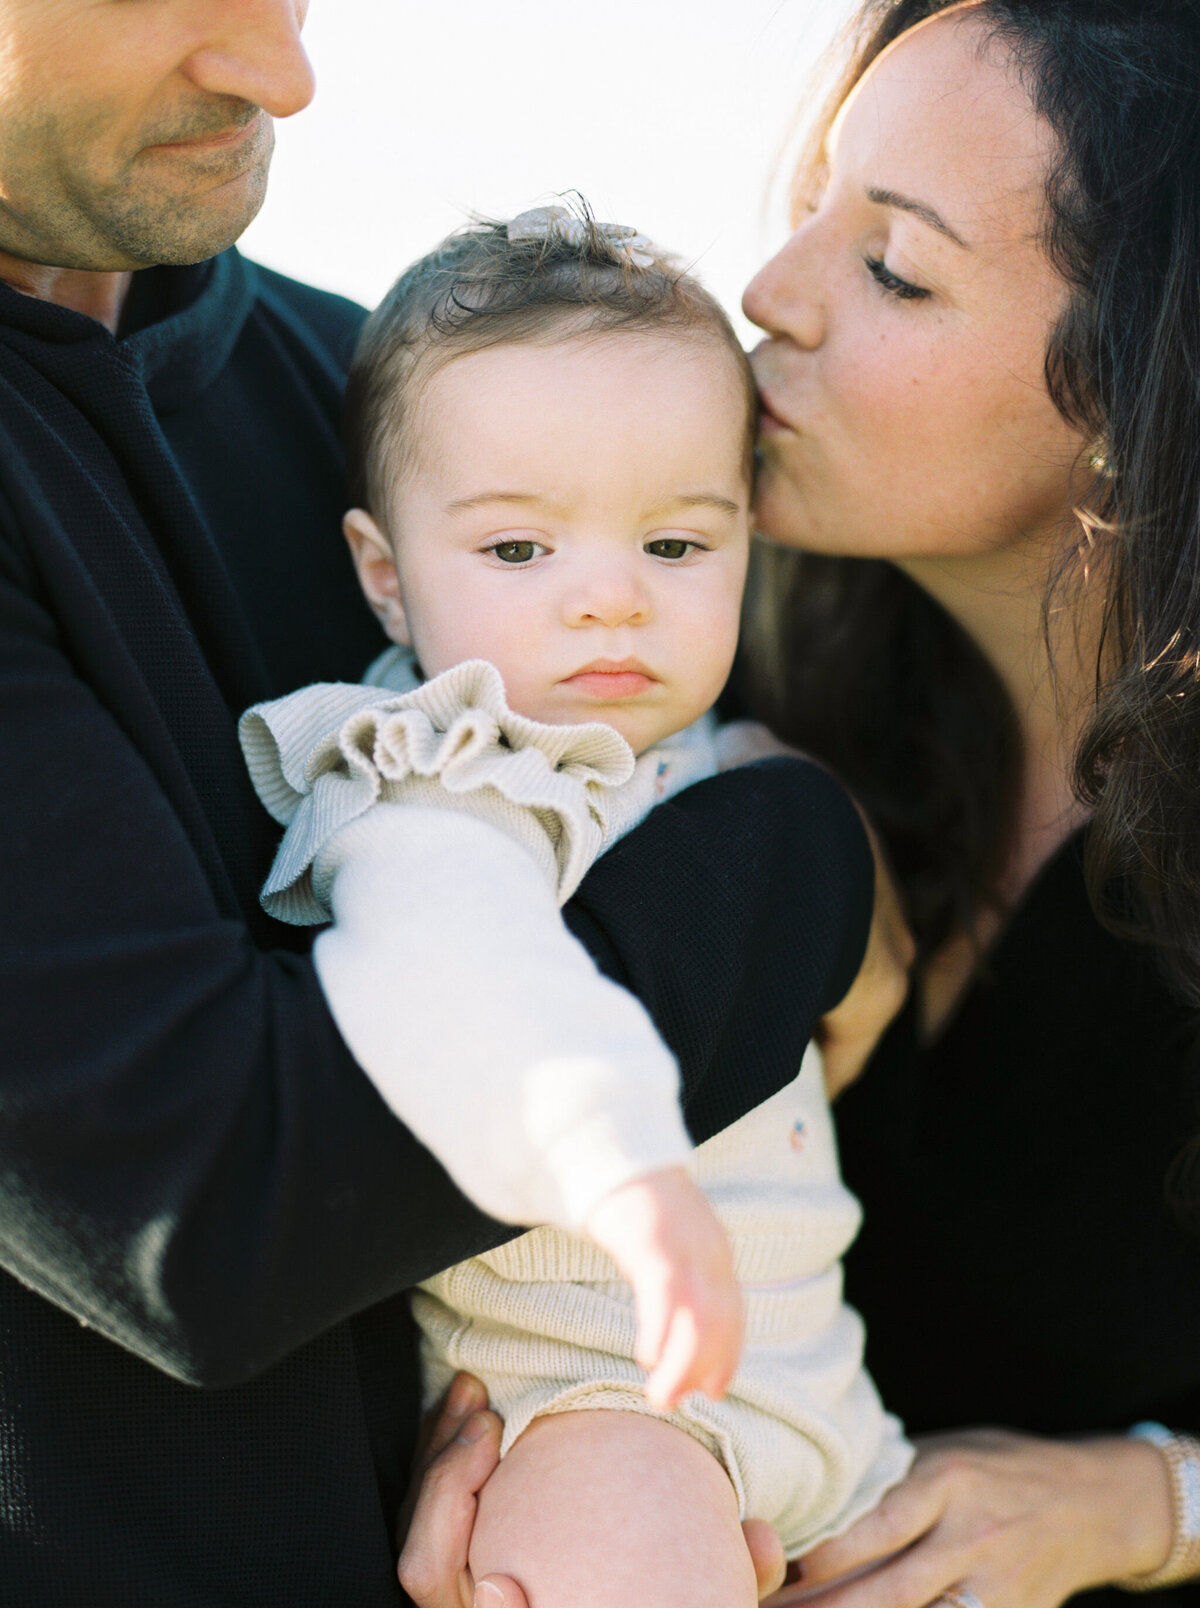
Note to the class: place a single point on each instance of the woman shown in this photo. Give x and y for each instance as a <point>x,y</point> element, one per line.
<point>980,374</point>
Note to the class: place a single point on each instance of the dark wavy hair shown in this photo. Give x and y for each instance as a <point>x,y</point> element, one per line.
<point>849,658</point>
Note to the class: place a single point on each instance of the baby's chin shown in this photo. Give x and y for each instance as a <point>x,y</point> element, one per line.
<point>642,720</point>
<point>641,728</point>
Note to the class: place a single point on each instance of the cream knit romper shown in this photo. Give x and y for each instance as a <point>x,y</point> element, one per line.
<point>546,1320</point>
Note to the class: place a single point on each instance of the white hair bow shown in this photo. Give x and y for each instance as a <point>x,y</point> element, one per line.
<point>541,223</point>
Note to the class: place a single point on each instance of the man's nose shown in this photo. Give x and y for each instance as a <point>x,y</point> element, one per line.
<point>608,595</point>
<point>251,49</point>
<point>784,297</point>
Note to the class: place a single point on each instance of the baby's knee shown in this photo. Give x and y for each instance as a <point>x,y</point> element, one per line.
<point>611,1509</point>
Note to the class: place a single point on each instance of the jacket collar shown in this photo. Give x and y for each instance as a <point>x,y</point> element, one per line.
<point>178,332</point>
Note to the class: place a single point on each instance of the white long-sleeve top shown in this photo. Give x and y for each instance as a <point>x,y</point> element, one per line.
<point>440,830</point>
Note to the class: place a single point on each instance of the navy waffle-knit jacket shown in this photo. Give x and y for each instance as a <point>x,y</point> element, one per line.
<point>207,1216</point>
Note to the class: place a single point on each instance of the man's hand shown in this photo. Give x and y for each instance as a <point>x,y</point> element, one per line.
<point>666,1239</point>
<point>462,1451</point>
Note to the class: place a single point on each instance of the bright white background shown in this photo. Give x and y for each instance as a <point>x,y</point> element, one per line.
<point>667,114</point>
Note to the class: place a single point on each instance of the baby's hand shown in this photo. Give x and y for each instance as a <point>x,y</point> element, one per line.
<point>666,1239</point>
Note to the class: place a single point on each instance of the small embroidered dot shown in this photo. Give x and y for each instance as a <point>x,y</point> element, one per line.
<point>797,1136</point>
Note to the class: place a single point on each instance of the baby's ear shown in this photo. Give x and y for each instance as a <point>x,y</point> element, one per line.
<point>376,566</point>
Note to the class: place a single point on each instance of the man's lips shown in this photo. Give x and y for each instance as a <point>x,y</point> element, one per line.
<point>223,140</point>
<point>611,678</point>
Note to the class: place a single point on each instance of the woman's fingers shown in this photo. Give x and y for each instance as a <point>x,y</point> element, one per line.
<point>433,1564</point>
<point>904,1514</point>
<point>913,1579</point>
<point>1016,1521</point>
<point>766,1554</point>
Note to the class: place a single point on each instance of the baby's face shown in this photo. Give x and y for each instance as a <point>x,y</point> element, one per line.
<point>578,514</point>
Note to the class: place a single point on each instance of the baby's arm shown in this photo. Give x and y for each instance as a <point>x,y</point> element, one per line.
<point>540,1085</point>
<point>441,831</point>
<point>610,1509</point>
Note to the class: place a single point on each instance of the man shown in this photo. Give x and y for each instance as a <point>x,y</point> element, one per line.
<point>208,1218</point>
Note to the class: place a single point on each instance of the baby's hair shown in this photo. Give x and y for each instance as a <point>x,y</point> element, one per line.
<point>480,289</point>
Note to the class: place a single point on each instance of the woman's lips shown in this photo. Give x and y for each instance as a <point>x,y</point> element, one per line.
<point>769,421</point>
<point>609,679</point>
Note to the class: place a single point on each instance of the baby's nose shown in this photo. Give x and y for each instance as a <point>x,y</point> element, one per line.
<point>609,598</point>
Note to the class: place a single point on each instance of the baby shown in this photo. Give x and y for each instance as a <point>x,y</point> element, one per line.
<point>551,431</point>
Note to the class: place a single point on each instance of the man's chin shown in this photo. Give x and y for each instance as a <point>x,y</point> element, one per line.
<point>193,228</point>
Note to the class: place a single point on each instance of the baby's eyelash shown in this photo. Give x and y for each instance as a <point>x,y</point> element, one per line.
<point>892,283</point>
<point>515,553</point>
<point>687,547</point>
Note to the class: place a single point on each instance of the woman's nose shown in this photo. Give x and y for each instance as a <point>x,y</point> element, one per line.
<point>784,297</point>
<point>251,50</point>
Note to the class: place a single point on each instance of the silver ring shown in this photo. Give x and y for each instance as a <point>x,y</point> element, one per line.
<point>961,1598</point>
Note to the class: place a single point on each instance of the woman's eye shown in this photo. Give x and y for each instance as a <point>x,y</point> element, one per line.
<point>516,552</point>
<point>892,283</point>
<point>671,547</point>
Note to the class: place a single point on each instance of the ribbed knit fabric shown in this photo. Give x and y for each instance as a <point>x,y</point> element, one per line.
<point>431,822</point>
<point>546,1321</point>
<point>321,757</point>
<point>548,1324</point>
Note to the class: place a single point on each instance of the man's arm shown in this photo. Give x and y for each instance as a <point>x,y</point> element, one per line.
<point>190,1160</point>
<point>743,906</point>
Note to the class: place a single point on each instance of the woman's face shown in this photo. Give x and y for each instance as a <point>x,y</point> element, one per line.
<point>906,413</point>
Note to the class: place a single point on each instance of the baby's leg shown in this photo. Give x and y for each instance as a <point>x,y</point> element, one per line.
<point>612,1509</point>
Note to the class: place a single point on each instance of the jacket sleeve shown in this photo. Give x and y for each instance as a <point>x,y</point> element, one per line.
<point>190,1159</point>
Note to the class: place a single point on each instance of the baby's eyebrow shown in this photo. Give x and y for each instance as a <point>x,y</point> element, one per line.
<point>479,498</point>
<point>697,499</point>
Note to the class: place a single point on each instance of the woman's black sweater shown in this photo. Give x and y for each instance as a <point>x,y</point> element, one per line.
<point>1020,1263</point>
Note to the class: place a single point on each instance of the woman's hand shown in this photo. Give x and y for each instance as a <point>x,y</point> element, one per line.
<point>462,1451</point>
<point>1017,1522</point>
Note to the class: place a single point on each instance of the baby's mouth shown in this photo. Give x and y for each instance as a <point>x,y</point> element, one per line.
<point>610,679</point>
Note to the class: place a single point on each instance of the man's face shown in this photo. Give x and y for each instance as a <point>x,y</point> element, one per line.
<point>140,131</point>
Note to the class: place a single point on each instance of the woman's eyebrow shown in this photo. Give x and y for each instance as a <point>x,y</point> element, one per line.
<point>905,203</point>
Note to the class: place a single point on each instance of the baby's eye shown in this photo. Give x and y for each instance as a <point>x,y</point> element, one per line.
<point>671,547</point>
<point>521,552</point>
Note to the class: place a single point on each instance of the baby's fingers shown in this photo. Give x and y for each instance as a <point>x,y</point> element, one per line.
<point>701,1351</point>
<point>653,1307</point>
<point>676,1372</point>
<point>721,1340</point>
